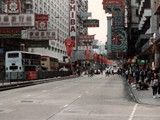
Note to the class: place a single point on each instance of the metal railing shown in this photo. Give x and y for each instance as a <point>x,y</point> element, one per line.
<point>21,77</point>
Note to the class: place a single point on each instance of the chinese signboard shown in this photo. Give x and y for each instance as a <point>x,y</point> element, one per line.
<point>85,42</point>
<point>20,20</point>
<point>41,21</point>
<point>10,33</point>
<point>13,7</point>
<point>84,47</point>
<point>73,22</point>
<point>113,6</point>
<point>91,23</point>
<point>39,35</point>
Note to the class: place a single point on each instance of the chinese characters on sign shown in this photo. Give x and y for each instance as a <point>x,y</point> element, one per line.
<point>21,20</point>
<point>39,35</point>
<point>73,22</point>
<point>85,42</point>
<point>10,33</point>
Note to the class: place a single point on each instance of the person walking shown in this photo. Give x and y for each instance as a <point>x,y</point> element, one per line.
<point>159,83</point>
<point>154,83</point>
<point>127,74</point>
<point>149,75</point>
<point>136,74</point>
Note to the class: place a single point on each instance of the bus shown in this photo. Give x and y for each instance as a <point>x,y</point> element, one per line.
<point>22,65</point>
<point>49,63</point>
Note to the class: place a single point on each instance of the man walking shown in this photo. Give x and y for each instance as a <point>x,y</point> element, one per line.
<point>159,83</point>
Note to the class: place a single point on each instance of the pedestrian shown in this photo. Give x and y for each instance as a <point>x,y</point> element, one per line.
<point>142,75</point>
<point>127,74</point>
<point>137,77</point>
<point>149,75</point>
<point>159,83</point>
<point>154,83</point>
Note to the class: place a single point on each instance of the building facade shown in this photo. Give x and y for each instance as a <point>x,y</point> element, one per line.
<point>58,11</point>
<point>132,21</point>
<point>59,19</point>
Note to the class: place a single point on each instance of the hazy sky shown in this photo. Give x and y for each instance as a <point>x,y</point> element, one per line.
<point>96,8</point>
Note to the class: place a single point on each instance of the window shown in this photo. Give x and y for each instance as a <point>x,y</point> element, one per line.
<point>13,55</point>
<point>13,67</point>
<point>137,12</point>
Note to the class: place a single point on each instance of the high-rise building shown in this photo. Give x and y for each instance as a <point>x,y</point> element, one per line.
<point>58,11</point>
<point>59,19</point>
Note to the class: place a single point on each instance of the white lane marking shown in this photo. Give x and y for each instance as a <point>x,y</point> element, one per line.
<point>133,112</point>
<point>65,105</point>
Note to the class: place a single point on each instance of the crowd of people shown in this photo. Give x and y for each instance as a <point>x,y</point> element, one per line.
<point>143,79</point>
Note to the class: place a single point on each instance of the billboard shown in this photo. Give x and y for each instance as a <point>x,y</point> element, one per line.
<point>13,7</point>
<point>113,6</point>
<point>91,23</point>
<point>41,21</point>
<point>10,33</point>
<point>39,35</point>
<point>73,21</point>
<point>17,20</point>
<point>85,42</point>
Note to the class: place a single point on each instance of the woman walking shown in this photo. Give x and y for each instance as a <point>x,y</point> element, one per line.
<point>154,84</point>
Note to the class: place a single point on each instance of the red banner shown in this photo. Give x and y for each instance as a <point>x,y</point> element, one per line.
<point>95,56</point>
<point>87,54</point>
<point>32,75</point>
<point>69,43</point>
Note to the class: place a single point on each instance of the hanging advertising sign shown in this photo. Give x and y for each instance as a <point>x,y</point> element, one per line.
<point>113,6</point>
<point>85,42</point>
<point>69,43</point>
<point>85,47</point>
<point>113,2</point>
<point>13,7</point>
<point>39,35</point>
<point>10,33</point>
<point>87,54</point>
<point>20,20</point>
<point>91,23</point>
<point>73,22</point>
<point>41,21</point>
<point>86,37</point>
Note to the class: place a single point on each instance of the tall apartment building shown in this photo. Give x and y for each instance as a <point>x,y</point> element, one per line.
<point>60,18</point>
<point>60,13</point>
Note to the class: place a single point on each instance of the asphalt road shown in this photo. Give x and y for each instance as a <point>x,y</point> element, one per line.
<point>82,98</point>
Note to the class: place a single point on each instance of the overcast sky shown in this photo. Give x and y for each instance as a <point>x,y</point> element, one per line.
<point>96,8</point>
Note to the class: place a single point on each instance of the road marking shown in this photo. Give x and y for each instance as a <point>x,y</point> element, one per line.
<point>65,105</point>
<point>133,112</point>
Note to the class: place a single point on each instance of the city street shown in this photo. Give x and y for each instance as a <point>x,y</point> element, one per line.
<point>82,98</point>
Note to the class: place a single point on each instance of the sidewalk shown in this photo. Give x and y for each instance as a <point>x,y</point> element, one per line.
<point>145,96</point>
